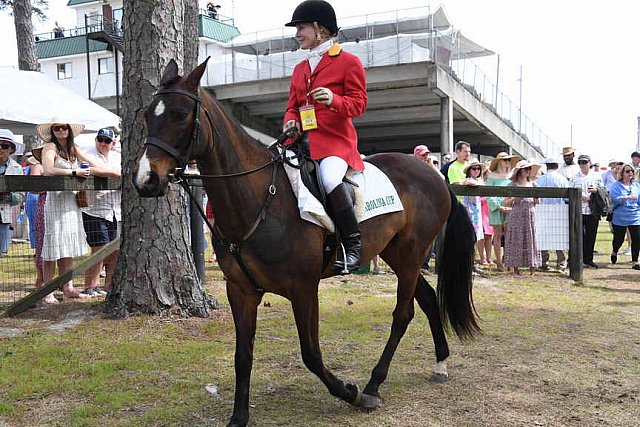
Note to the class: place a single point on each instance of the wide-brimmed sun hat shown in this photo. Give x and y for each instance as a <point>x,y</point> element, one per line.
<point>43,130</point>
<point>568,150</point>
<point>474,162</point>
<point>37,153</point>
<point>523,164</point>
<point>503,156</point>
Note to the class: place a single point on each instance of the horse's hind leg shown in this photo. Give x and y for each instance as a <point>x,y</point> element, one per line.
<point>305,310</point>
<point>426,298</point>
<point>245,309</point>
<point>402,315</point>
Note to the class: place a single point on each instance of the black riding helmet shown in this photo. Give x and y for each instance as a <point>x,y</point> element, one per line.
<point>318,11</point>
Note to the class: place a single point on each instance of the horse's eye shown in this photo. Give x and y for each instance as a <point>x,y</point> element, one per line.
<point>178,115</point>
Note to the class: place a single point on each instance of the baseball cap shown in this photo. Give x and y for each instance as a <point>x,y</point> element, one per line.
<point>551,160</point>
<point>584,157</point>
<point>420,150</point>
<point>108,133</point>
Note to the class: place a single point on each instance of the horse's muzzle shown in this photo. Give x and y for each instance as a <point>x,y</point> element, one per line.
<point>148,185</point>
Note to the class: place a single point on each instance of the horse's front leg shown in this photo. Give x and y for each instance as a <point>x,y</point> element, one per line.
<point>244,306</point>
<point>305,310</point>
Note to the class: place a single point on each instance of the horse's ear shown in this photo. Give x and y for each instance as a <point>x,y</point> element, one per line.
<point>170,73</point>
<point>193,79</point>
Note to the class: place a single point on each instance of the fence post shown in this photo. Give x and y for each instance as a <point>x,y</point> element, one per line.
<point>575,234</point>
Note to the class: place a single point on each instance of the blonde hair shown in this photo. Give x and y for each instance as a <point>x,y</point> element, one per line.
<point>322,33</point>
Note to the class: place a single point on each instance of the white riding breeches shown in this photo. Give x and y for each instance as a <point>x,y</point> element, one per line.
<point>332,170</point>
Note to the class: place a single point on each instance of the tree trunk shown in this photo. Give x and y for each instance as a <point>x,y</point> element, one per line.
<point>190,36</point>
<point>155,273</point>
<point>27,59</point>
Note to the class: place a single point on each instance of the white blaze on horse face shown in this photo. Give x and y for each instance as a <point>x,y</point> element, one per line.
<point>144,168</point>
<point>159,109</point>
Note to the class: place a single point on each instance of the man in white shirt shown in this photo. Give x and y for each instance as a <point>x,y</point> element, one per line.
<point>101,218</point>
<point>8,166</point>
<point>553,179</point>
<point>589,182</point>
<point>569,169</point>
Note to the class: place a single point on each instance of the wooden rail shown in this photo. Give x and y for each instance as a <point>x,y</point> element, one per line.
<point>573,195</point>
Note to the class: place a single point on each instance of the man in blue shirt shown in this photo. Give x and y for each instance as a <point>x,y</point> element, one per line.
<point>553,178</point>
<point>611,176</point>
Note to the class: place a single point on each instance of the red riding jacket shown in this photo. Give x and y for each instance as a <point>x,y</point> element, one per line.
<point>343,74</point>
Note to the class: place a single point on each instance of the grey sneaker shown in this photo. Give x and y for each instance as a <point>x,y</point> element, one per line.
<point>91,292</point>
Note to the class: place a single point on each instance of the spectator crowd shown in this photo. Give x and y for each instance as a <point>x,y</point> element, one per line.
<point>506,226</point>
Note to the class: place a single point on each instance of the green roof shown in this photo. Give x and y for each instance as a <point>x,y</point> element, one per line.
<point>216,30</point>
<point>77,2</point>
<point>65,46</point>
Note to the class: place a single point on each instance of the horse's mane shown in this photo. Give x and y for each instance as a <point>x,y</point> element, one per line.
<point>220,116</point>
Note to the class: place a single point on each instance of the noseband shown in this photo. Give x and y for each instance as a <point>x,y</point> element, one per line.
<point>195,132</point>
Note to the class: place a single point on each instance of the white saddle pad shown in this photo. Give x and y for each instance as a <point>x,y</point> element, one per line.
<point>375,195</point>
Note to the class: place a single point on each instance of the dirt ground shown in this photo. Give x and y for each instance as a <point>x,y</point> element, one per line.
<point>552,353</point>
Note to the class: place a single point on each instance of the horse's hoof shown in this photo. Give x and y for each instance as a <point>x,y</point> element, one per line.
<point>439,378</point>
<point>369,402</point>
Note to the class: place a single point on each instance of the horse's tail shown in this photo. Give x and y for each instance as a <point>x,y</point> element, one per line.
<point>455,265</point>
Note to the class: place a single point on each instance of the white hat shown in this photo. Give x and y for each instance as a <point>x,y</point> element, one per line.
<point>551,160</point>
<point>43,130</point>
<point>7,135</point>
<point>522,164</point>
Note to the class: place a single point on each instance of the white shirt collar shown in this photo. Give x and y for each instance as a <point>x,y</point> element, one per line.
<point>321,49</point>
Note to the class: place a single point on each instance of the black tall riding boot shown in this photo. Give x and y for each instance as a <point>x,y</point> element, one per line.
<point>341,208</point>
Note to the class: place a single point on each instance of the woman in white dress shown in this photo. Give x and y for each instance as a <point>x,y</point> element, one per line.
<point>64,236</point>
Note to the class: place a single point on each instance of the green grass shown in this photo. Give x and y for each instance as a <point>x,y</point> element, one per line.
<point>552,353</point>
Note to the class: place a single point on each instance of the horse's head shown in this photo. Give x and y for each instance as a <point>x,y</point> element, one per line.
<point>172,121</point>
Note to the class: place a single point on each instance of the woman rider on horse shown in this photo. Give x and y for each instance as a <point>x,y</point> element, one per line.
<point>327,90</point>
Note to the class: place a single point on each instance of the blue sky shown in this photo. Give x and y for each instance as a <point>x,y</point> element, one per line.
<point>580,60</point>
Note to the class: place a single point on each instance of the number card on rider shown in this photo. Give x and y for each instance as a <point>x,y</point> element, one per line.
<point>308,117</point>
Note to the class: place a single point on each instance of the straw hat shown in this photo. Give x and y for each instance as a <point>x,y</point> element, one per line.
<point>474,162</point>
<point>37,153</point>
<point>43,130</point>
<point>503,156</point>
<point>568,150</point>
<point>522,164</point>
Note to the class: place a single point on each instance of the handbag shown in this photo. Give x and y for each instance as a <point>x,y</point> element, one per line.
<point>81,199</point>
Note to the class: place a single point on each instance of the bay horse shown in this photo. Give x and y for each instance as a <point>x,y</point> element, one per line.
<point>263,245</point>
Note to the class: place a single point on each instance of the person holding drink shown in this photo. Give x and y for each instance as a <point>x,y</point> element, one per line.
<point>64,237</point>
<point>589,182</point>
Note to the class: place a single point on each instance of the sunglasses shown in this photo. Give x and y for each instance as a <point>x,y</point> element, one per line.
<point>583,162</point>
<point>6,146</point>
<point>475,168</point>
<point>625,171</point>
<point>59,128</point>
<point>103,139</point>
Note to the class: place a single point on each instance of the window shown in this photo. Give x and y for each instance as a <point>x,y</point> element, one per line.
<point>64,71</point>
<point>105,65</point>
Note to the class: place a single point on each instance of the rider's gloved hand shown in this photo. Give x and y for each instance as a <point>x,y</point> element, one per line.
<point>322,95</point>
<point>293,127</point>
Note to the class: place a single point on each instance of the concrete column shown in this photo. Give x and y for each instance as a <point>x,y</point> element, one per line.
<point>446,125</point>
